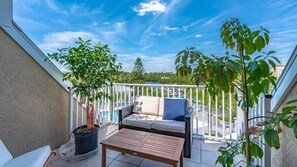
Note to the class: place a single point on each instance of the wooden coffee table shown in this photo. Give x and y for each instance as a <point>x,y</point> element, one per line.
<point>162,148</point>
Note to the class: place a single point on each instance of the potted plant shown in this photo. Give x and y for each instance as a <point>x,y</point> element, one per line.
<point>248,70</point>
<point>89,68</point>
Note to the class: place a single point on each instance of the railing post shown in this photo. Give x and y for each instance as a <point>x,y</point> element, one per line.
<point>230,114</point>
<point>162,91</point>
<point>109,103</point>
<point>112,104</point>
<point>240,121</point>
<point>70,111</point>
<point>267,151</point>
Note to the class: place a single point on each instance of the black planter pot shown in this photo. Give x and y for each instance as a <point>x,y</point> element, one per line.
<point>86,142</point>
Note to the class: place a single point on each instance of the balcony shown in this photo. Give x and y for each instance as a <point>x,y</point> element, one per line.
<point>214,122</point>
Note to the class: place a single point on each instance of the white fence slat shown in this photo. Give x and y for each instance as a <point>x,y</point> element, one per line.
<point>216,116</point>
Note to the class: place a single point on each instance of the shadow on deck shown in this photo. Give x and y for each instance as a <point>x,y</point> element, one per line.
<point>204,154</point>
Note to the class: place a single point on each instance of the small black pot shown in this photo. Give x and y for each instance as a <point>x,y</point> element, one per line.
<point>86,142</point>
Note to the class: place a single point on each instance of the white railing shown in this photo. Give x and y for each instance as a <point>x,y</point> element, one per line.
<point>208,113</point>
<point>213,118</point>
<point>219,118</point>
<point>78,109</point>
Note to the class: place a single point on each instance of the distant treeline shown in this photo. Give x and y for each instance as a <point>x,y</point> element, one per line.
<point>159,77</point>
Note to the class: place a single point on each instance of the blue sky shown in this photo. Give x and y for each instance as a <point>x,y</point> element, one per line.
<point>154,30</point>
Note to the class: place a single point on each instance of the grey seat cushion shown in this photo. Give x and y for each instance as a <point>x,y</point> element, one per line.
<point>168,125</point>
<point>139,120</point>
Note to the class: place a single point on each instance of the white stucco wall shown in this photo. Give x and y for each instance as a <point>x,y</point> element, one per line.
<point>33,106</point>
<point>286,156</point>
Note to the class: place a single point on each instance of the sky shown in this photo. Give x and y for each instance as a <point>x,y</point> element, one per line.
<point>154,30</point>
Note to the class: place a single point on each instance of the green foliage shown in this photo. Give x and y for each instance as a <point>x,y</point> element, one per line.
<point>288,117</point>
<point>227,116</point>
<point>248,71</point>
<point>228,153</point>
<point>223,73</point>
<point>271,131</point>
<point>88,67</point>
<point>124,77</point>
<point>231,150</point>
<point>159,77</point>
<point>138,70</point>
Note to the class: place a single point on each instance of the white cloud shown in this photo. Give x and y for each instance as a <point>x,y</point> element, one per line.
<point>156,34</point>
<point>214,19</point>
<point>73,9</point>
<point>198,35</point>
<point>51,4</point>
<point>120,25</point>
<point>192,24</point>
<point>53,41</point>
<point>170,28</point>
<point>154,6</point>
<point>94,23</point>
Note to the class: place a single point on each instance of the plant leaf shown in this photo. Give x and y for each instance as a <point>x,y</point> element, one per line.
<point>257,88</point>
<point>266,38</point>
<point>256,150</point>
<point>292,101</point>
<point>272,63</point>
<point>270,137</point>
<point>294,127</point>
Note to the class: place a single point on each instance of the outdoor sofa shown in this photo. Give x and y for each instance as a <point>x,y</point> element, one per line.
<point>148,114</point>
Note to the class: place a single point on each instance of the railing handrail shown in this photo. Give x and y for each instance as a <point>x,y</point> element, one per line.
<point>161,85</point>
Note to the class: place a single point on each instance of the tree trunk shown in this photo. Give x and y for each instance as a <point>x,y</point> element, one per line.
<point>90,116</point>
<point>245,106</point>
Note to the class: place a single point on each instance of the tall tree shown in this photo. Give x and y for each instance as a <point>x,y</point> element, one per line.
<point>138,69</point>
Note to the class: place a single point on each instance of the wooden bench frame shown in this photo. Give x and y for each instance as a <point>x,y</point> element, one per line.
<point>50,157</point>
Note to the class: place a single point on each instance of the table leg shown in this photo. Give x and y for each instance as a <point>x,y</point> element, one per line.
<point>175,164</point>
<point>103,155</point>
<point>181,161</point>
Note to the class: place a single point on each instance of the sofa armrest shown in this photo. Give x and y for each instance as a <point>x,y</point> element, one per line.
<point>189,114</point>
<point>124,112</point>
<point>189,119</point>
<point>188,132</point>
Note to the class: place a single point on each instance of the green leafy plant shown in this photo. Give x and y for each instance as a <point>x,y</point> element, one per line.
<point>88,69</point>
<point>244,67</point>
<point>288,117</point>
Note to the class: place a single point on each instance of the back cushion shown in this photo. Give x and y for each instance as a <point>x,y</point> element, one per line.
<point>146,105</point>
<point>175,109</point>
<point>161,106</point>
<point>5,155</point>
